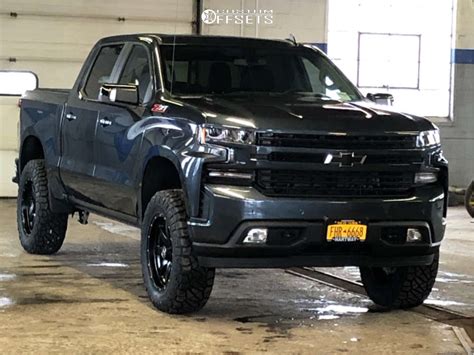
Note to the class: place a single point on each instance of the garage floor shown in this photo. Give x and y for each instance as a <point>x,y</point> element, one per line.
<point>89,298</point>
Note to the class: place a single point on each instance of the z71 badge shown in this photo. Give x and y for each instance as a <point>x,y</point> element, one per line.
<point>159,108</point>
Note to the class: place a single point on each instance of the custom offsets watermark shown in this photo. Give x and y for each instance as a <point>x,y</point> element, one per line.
<point>237,17</point>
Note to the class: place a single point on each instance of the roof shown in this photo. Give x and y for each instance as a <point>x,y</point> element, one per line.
<point>180,39</point>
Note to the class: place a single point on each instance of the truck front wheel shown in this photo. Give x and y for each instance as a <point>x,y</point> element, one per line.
<point>173,278</point>
<point>41,231</point>
<point>400,287</point>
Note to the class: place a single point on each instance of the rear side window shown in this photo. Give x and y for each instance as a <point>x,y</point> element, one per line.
<point>137,72</point>
<point>102,70</point>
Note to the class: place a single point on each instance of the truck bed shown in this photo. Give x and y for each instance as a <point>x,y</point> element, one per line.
<point>48,95</point>
<point>40,117</point>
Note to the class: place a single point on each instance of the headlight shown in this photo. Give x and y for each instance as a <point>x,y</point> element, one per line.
<point>214,134</point>
<point>425,178</point>
<point>428,138</point>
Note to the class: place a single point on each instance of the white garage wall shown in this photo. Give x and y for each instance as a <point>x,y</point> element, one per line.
<point>52,38</point>
<point>305,19</point>
<point>458,136</point>
<point>409,55</point>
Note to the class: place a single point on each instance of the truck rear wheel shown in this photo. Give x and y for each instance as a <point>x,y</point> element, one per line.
<point>41,231</point>
<point>173,278</point>
<point>400,287</point>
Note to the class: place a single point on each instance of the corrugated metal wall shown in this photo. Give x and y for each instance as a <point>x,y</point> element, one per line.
<point>52,38</point>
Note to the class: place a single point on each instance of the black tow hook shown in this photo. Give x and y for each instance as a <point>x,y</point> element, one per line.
<point>83,217</point>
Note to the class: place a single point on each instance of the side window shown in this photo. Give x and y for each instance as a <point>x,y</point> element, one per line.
<point>137,72</point>
<point>102,69</point>
<point>314,77</point>
<point>323,81</point>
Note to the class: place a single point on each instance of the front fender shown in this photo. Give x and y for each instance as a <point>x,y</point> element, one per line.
<point>176,140</point>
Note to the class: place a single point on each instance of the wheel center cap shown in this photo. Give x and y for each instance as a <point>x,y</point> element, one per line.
<point>163,252</point>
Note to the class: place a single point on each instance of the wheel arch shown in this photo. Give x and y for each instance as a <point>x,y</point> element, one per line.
<point>159,173</point>
<point>31,149</point>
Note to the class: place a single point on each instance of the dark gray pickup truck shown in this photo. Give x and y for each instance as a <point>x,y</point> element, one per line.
<point>234,152</point>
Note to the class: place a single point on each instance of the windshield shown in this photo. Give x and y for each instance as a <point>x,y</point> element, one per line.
<point>229,70</point>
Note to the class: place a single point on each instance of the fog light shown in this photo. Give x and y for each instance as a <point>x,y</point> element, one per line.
<point>256,236</point>
<point>413,235</point>
<point>425,178</point>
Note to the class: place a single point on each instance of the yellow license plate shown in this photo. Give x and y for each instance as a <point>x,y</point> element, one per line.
<point>346,231</point>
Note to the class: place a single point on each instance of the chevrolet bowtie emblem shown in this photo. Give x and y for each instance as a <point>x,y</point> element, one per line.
<point>345,159</point>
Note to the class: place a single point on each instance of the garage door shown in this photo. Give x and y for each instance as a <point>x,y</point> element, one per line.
<point>52,37</point>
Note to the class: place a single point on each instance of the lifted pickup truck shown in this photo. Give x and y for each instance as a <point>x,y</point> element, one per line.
<point>233,152</point>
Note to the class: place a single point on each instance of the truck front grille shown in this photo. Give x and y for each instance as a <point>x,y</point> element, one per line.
<point>371,159</point>
<point>302,183</point>
<point>336,141</point>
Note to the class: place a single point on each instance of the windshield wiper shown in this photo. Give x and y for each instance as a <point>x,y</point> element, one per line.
<point>287,92</point>
<point>247,93</point>
<point>191,96</point>
<point>303,93</point>
<point>241,92</point>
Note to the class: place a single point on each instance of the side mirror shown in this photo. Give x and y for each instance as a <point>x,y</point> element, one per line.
<point>381,98</point>
<point>123,94</point>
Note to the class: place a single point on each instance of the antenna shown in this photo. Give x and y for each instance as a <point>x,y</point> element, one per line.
<point>174,47</point>
<point>291,38</point>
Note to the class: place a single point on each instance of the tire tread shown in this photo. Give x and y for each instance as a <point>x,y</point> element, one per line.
<point>192,285</point>
<point>50,228</point>
<point>409,288</point>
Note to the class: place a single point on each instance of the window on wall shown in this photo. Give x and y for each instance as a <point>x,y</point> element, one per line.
<point>16,83</point>
<point>383,46</point>
<point>390,61</point>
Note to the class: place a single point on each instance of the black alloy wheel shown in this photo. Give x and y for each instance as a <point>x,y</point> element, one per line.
<point>28,208</point>
<point>173,278</point>
<point>160,252</point>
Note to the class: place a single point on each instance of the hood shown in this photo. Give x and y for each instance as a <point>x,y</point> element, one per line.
<point>305,113</point>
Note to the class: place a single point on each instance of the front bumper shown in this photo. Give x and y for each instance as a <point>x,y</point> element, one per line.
<point>230,211</point>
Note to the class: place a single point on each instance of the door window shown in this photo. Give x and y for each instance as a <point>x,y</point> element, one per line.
<point>102,70</point>
<point>137,72</point>
<point>314,76</point>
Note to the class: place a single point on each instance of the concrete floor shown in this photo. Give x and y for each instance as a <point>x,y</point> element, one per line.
<point>454,288</point>
<point>89,298</point>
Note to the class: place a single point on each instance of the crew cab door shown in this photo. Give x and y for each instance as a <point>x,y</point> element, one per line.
<point>79,125</point>
<point>118,135</point>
